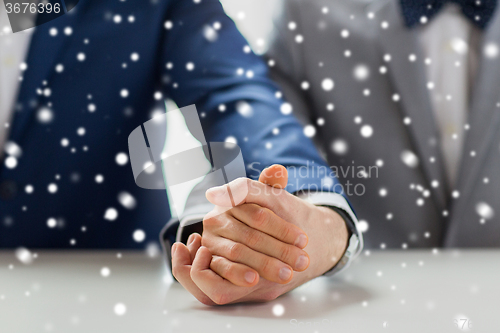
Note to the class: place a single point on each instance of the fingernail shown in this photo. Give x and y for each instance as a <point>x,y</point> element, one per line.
<point>302,262</point>
<point>285,273</point>
<point>250,277</point>
<point>174,247</point>
<point>301,241</point>
<point>217,191</point>
<point>190,239</point>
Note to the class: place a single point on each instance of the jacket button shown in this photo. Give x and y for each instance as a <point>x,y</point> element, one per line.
<point>8,190</point>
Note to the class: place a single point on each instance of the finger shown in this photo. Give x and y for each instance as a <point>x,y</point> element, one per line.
<point>265,244</point>
<point>219,290</point>
<point>268,267</point>
<point>276,176</point>
<point>193,244</point>
<point>181,268</point>
<point>236,273</point>
<point>263,219</point>
<point>244,190</point>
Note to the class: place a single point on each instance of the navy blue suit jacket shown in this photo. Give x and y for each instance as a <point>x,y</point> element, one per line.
<point>106,46</point>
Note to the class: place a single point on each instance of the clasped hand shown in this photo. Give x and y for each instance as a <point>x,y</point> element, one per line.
<point>259,249</point>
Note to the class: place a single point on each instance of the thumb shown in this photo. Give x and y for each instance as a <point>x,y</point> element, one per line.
<point>276,176</point>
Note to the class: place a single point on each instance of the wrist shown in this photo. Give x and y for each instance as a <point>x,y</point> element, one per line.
<point>338,234</point>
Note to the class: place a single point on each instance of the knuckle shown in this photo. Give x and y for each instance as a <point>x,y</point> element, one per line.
<point>235,251</point>
<point>209,221</point>
<point>254,238</point>
<point>285,252</point>
<point>206,300</point>
<point>271,295</point>
<point>286,232</point>
<point>266,266</point>
<point>229,272</point>
<point>259,216</point>
<point>221,298</point>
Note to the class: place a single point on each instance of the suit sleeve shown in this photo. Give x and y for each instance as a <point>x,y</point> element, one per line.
<point>207,62</point>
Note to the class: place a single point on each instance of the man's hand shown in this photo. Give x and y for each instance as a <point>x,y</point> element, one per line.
<point>214,278</point>
<point>251,240</point>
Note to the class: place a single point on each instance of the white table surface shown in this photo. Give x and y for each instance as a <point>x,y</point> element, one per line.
<point>386,291</point>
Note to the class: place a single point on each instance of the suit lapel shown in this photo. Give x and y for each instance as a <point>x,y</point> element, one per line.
<point>409,80</point>
<point>484,115</point>
<point>43,54</point>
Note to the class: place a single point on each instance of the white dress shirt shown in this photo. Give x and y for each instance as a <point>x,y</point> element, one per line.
<point>13,52</point>
<point>450,43</point>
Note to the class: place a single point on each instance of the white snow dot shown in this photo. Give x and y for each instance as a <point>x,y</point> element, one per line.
<point>344,33</point>
<point>59,68</point>
<point>278,310</point>
<point>11,162</point>
<point>51,222</point>
<point>309,131</point>
<point>327,84</point>
<point>139,236</point>
<point>244,109</point>
<point>484,210</point>
<point>127,200</point>
<point>124,93</point>
<point>409,158</point>
<point>24,255</point>
<point>105,271</point>
<point>81,131</point>
<point>99,179</point>
<point>491,50</point>
<point>366,131</point>
<point>231,140</point>
<point>459,45</point>
<point>382,192</point>
<point>363,226</point>
<point>210,33</point>
<point>13,149</point>
<point>134,56</point>
<point>52,188</point>
<point>111,214</point>
<point>29,189</point>
<point>121,158</point>
<point>117,19</point>
<point>455,194</point>
<point>120,309</point>
<point>190,66</point>
<point>64,142</point>
<point>45,115</point>
<point>286,108</point>
<point>340,147</point>
<point>91,107</point>
<point>80,56</point>
<point>53,32</point>
<point>361,72</point>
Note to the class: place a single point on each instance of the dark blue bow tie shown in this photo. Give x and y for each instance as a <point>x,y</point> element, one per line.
<point>478,11</point>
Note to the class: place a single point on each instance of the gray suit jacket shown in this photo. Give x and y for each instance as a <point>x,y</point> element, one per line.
<point>399,202</point>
